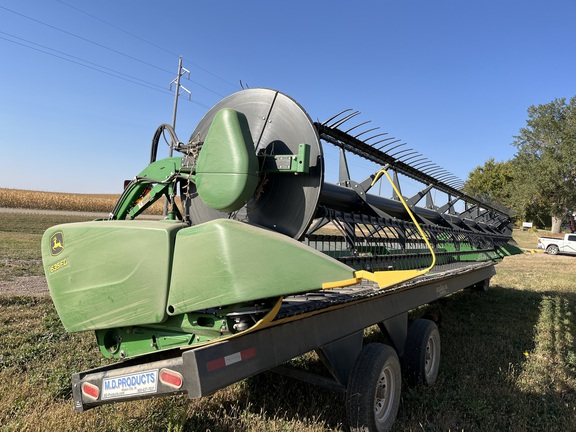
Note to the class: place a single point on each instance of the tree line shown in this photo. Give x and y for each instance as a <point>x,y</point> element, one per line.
<point>539,183</point>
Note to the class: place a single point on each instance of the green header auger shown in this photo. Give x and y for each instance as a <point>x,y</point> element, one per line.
<point>255,224</point>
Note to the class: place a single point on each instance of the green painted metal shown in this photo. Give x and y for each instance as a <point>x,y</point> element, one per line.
<point>176,332</point>
<point>109,273</point>
<point>179,331</point>
<point>224,261</point>
<point>227,167</point>
<point>507,249</point>
<point>144,190</point>
<point>126,342</point>
<point>299,163</point>
<point>136,273</point>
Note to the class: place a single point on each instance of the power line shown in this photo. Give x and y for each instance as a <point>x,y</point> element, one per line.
<point>117,28</point>
<point>236,86</point>
<point>87,40</point>
<point>133,81</point>
<point>82,64</point>
<point>105,47</point>
<point>146,84</point>
<point>152,44</point>
<point>96,65</point>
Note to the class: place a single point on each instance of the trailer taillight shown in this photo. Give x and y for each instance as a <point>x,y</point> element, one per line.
<point>171,378</point>
<point>90,391</point>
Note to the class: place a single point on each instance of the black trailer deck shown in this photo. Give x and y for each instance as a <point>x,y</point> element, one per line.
<point>330,322</point>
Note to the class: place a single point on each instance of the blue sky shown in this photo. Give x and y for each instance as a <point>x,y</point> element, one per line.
<point>453,79</point>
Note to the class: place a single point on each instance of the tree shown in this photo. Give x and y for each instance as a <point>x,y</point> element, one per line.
<point>490,182</point>
<point>546,158</point>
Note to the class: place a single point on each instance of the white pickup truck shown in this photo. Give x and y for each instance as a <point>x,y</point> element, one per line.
<point>554,246</point>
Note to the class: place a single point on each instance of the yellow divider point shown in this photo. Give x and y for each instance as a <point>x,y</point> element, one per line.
<point>342,283</point>
<point>392,277</point>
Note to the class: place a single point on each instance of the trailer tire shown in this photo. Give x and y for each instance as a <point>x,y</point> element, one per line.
<point>482,286</point>
<point>552,249</point>
<point>373,393</point>
<point>421,358</point>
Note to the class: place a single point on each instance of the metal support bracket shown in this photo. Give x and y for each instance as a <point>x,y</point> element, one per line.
<point>397,329</point>
<point>299,163</point>
<point>416,198</point>
<point>339,356</point>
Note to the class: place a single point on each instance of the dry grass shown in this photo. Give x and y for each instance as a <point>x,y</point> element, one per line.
<point>508,364</point>
<point>508,355</point>
<point>528,239</point>
<point>38,357</point>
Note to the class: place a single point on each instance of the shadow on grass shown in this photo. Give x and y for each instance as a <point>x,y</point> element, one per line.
<point>274,399</point>
<point>488,379</point>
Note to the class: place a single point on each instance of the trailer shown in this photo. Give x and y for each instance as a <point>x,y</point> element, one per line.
<point>261,260</point>
<point>332,324</point>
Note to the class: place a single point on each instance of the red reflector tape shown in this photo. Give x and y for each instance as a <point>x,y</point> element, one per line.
<point>171,378</point>
<point>212,365</point>
<point>90,391</point>
<point>228,360</point>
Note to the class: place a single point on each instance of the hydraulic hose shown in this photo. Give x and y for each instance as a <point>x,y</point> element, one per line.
<point>156,139</point>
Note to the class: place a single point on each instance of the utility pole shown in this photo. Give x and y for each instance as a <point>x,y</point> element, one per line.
<point>181,71</point>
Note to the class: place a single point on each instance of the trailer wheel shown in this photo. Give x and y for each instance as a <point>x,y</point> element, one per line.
<point>552,249</point>
<point>373,394</point>
<point>421,358</point>
<point>482,286</point>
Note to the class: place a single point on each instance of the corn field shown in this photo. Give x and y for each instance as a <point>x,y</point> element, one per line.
<point>98,203</point>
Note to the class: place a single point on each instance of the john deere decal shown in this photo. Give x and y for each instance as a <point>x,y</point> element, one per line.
<point>56,243</point>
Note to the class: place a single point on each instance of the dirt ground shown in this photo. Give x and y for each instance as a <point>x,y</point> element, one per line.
<point>34,286</point>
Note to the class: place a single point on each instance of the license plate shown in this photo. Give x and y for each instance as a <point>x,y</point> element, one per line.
<point>130,385</point>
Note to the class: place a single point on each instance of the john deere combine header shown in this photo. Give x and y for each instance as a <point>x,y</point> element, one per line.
<point>260,260</point>
<point>255,223</point>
